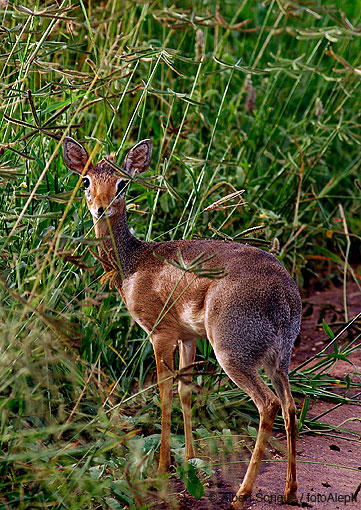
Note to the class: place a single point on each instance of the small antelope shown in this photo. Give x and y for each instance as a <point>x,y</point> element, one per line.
<point>251,316</point>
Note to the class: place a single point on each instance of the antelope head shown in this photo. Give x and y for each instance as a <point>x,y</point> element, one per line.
<point>104,189</point>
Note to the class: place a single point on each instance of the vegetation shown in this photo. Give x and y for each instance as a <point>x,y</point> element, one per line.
<point>263,97</point>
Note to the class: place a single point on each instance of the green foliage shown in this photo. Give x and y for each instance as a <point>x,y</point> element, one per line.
<point>257,96</point>
<point>188,475</point>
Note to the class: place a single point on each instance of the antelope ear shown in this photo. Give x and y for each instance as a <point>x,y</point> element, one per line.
<point>75,156</point>
<point>138,158</point>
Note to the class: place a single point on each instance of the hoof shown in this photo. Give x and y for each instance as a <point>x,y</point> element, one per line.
<point>239,502</point>
<point>291,499</point>
<point>237,506</point>
<point>190,455</point>
<point>163,468</point>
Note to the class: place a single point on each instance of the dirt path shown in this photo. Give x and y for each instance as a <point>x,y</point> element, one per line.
<point>323,478</point>
<point>329,466</point>
<point>329,471</point>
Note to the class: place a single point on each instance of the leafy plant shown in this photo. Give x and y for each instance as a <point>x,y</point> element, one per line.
<point>261,97</point>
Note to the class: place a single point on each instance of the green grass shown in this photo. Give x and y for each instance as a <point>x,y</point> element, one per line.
<point>270,106</point>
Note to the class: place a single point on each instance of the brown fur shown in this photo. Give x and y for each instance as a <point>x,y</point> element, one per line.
<point>251,316</point>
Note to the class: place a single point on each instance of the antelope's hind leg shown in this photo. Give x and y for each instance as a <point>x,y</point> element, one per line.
<point>280,382</point>
<point>268,405</point>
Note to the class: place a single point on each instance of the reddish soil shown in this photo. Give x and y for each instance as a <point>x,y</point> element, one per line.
<point>328,464</point>
<point>327,304</point>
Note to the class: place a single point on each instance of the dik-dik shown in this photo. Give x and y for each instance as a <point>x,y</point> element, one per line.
<point>251,316</point>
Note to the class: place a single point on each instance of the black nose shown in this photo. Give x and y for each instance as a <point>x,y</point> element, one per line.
<point>100,211</point>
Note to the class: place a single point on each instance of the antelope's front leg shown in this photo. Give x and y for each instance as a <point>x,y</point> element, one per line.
<point>164,349</point>
<point>187,352</point>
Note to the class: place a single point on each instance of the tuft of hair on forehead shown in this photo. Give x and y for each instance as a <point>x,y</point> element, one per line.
<point>103,168</point>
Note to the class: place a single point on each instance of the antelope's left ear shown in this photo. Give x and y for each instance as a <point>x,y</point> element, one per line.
<point>138,158</point>
<point>75,156</point>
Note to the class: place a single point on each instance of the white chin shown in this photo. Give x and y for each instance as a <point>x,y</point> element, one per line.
<point>102,216</point>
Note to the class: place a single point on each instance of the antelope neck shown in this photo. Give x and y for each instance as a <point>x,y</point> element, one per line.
<point>127,247</point>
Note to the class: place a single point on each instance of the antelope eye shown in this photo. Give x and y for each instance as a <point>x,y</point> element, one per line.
<point>86,182</point>
<point>120,186</point>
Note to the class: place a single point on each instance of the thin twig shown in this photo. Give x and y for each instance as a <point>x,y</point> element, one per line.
<point>348,246</point>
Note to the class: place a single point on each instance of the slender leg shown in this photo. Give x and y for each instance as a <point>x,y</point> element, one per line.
<point>267,404</point>
<point>164,356</point>
<point>282,386</point>
<point>187,352</point>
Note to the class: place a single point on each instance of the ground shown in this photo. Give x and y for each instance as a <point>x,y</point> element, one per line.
<point>328,465</point>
